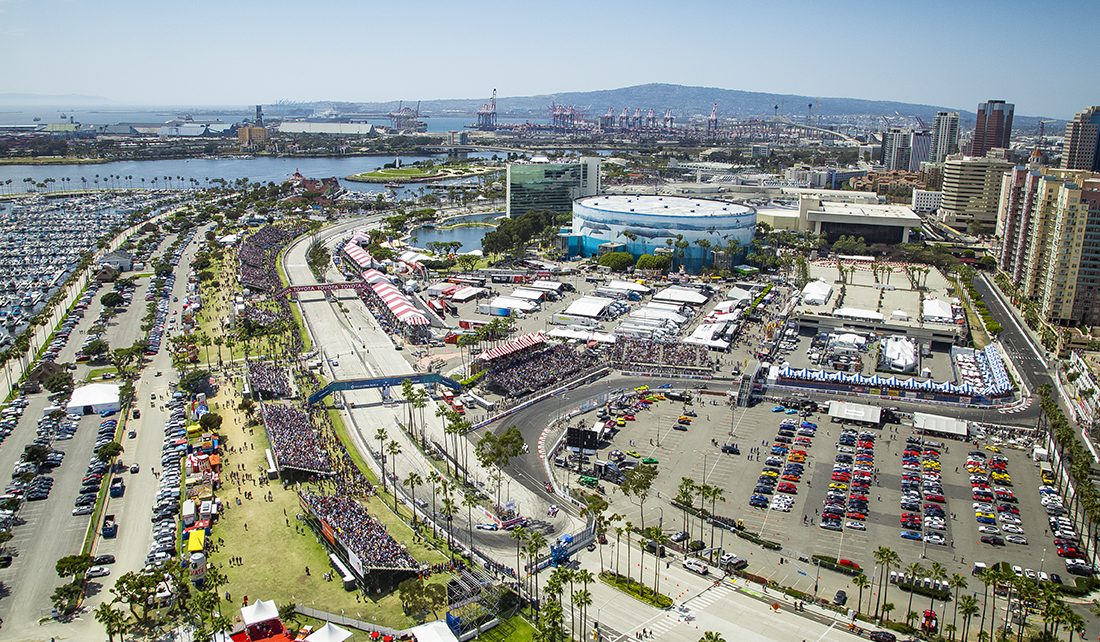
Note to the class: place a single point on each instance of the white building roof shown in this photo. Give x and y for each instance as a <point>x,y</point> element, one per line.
<point>582,335</point>
<point>94,394</point>
<point>329,633</point>
<point>589,306</point>
<point>738,294</point>
<point>467,293</point>
<point>630,286</point>
<point>858,313</point>
<point>855,412</point>
<point>681,295</point>
<point>940,424</point>
<point>662,205</point>
<point>433,632</point>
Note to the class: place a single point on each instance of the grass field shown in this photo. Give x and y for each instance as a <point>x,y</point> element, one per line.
<point>276,548</point>
<point>419,174</point>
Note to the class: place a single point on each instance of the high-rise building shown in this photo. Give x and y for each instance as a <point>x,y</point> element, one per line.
<point>550,186</point>
<point>1050,248</point>
<point>1082,148</point>
<point>994,128</point>
<point>945,136</point>
<point>920,146</point>
<point>972,192</point>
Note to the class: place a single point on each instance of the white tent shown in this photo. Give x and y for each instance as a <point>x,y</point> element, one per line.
<point>433,632</point>
<point>581,335</point>
<point>259,611</point>
<point>629,286</point>
<point>329,633</point>
<point>514,304</point>
<point>589,306</point>
<point>726,307</point>
<point>553,286</point>
<point>93,398</point>
<point>900,353</point>
<point>528,294</point>
<point>855,412</point>
<point>681,295</point>
<point>817,293</point>
<point>858,313</point>
<point>937,311</point>
<point>658,313</point>
<point>467,293</point>
<point>738,294</point>
<point>849,339</point>
<point>940,425</point>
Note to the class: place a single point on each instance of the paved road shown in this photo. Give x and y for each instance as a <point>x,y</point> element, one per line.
<point>1029,358</point>
<point>50,531</point>
<point>346,333</point>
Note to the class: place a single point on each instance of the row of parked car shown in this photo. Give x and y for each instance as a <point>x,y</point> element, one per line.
<point>846,504</point>
<point>994,500</point>
<point>61,337</point>
<point>97,470</point>
<point>922,498</point>
<point>785,465</point>
<point>165,285</point>
<point>165,544</point>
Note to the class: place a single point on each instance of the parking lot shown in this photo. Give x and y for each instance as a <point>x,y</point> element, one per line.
<point>795,523</point>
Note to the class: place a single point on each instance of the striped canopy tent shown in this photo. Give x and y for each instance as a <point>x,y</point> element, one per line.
<point>399,304</point>
<point>358,255</point>
<point>373,276</point>
<point>513,346</point>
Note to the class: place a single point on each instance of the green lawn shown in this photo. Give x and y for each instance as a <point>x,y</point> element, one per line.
<point>514,629</point>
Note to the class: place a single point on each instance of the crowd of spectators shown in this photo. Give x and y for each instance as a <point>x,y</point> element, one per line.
<point>535,370</point>
<point>268,380</point>
<point>295,440</point>
<point>669,357</point>
<point>257,256</point>
<point>259,317</point>
<point>361,533</point>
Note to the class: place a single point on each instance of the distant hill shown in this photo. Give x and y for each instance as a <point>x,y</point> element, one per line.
<point>37,100</point>
<point>685,102</point>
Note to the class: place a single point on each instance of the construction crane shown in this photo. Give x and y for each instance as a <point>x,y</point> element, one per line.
<point>487,113</point>
<point>920,121</point>
<point>1042,133</point>
<point>668,118</point>
<point>712,121</point>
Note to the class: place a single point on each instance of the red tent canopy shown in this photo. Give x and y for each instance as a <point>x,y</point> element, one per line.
<point>513,346</point>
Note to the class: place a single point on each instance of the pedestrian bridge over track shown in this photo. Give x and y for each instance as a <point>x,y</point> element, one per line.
<point>423,378</point>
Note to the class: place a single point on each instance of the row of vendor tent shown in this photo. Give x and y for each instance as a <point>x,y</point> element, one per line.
<point>398,304</point>
<point>857,379</point>
<point>359,256</point>
<point>518,344</point>
<point>581,334</point>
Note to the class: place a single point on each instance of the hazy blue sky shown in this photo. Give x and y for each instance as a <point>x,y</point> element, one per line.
<point>953,53</point>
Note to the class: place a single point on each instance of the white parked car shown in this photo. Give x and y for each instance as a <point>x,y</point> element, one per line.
<point>989,530</point>
<point>98,571</point>
<point>1012,528</point>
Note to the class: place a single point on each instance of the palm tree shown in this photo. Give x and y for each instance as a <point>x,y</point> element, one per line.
<point>519,536</point>
<point>583,599</point>
<point>936,573</point>
<point>886,608</point>
<point>861,582</point>
<point>660,540</point>
<point>716,495</point>
<point>968,606</point>
<point>535,543</point>
<point>957,582</point>
<point>913,572</point>
<point>393,449</point>
<point>629,530</point>
<point>712,636</point>
<point>685,497</point>
<point>112,619</point>
<point>434,479</point>
<point>469,500</point>
<point>988,576</point>
<point>381,436</point>
<point>412,480</point>
<point>885,557</point>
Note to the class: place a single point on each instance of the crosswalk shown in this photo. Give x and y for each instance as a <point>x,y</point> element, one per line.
<point>682,613</point>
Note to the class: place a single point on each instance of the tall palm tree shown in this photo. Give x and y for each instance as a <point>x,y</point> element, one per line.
<point>716,495</point>
<point>913,572</point>
<point>936,573</point>
<point>519,536</point>
<point>412,480</point>
<point>393,449</point>
<point>968,606</point>
<point>535,543</point>
<point>685,497</point>
<point>861,582</point>
<point>381,435</point>
<point>469,500</point>
<point>660,540</point>
<point>629,530</point>
<point>957,582</point>
<point>885,557</point>
<point>583,599</point>
<point>989,577</point>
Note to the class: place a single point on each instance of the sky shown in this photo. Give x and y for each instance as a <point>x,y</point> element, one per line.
<point>239,52</point>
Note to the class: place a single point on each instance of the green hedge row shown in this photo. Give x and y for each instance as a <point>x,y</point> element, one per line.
<point>831,563</point>
<point>755,539</point>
